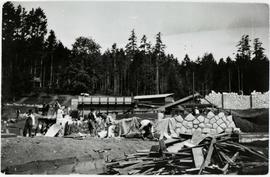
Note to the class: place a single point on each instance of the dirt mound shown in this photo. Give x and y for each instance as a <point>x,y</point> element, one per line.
<point>21,150</point>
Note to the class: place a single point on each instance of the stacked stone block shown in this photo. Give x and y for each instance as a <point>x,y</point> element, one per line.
<point>210,123</point>
<point>235,101</point>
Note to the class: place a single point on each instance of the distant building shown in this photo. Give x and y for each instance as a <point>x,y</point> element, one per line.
<point>106,104</point>
<point>110,104</point>
<point>154,100</point>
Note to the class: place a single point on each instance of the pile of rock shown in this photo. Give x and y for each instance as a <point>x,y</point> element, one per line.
<point>210,123</point>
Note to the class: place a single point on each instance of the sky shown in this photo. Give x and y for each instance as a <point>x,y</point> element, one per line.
<point>192,28</point>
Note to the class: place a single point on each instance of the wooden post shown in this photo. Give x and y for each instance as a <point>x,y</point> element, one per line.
<point>229,80</point>
<point>157,76</point>
<point>193,86</point>
<point>251,101</point>
<point>222,100</point>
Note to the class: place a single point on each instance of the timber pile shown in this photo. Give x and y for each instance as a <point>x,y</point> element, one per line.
<point>219,154</point>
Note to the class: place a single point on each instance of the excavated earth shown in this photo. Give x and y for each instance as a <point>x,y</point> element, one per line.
<point>47,155</point>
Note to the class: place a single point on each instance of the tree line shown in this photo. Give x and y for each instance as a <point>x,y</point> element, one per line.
<point>34,60</point>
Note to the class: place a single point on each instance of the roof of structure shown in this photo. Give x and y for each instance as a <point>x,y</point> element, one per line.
<point>152,96</point>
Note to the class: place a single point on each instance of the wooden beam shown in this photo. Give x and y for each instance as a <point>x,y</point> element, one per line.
<point>225,168</point>
<point>162,108</point>
<point>198,156</point>
<point>209,155</point>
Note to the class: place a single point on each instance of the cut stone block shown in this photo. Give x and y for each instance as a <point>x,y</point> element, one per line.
<point>179,125</point>
<point>210,115</point>
<point>227,123</point>
<point>202,125</point>
<point>219,130</point>
<point>206,130</point>
<point>189,117</point>
<point>185,123</point>
<point>206,120</point>
<point>179,119</point>
<point>201,118</point>
<point>215,125</point>
<point>208,126</point>
<point>213,120</point>
<point>224,118</point>
<point>223,126</point>
<point>183,129</point>
<point>232,125</point>
<point>195,125</point>
<point>228,130</point>
<point>189,131</point>
<point>219,121</point>
<point>195,121</point>
<point>189,125</point>
<point>213,131</point>
<point>229,118</point>
<point>221,114</point>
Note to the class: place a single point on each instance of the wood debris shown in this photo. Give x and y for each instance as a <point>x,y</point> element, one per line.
<point>220,154</point>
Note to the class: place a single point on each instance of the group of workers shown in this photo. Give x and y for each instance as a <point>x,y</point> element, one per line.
<point>145,126</point>
<point>94,121</point>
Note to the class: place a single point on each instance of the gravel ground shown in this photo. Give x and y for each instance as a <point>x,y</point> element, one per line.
<point>21,150</point>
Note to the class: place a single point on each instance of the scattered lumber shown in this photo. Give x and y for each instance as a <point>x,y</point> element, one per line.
<point>215,154</point>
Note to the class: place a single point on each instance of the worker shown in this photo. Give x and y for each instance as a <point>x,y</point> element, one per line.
<point>17,114</point>
<point>110,126</point>
<point>56,107</point>
<point>29,124</point>
<point>91,118</point>
<point>196,111</point>
<point>146,129</point>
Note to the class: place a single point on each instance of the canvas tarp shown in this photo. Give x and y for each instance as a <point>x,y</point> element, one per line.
<point>166,128</point>
<point>129,125</point>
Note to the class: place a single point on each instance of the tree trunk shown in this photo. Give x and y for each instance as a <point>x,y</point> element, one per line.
<point>51,74</point>
<point>157,76</point>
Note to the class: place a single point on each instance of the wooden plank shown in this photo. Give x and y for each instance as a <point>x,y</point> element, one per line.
<point>225,168</point>
<point>209,155</point>
<point>143,151</point>
<point>246,149</point>
<point>178,154</point>
<point>197,137</point>
<point>172,141</point>
<point>141,154</point>
<point>186,160</point>
<point>129,162</point>
<point>176,147</point>
<point>178,102</point>
<point>224,156</point>
<point>147,171</point>
<point>198,156</point>
<point>53,130</point>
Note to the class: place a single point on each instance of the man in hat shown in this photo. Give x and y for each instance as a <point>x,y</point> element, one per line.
<point>29,124</point>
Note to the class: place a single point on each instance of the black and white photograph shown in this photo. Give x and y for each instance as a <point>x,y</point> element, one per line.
<point>135,87</point>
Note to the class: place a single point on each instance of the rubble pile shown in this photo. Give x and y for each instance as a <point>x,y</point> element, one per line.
<point>211,154</point>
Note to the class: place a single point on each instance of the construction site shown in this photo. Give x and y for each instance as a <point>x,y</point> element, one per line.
<point>135,87</point>
<point>221,133</point>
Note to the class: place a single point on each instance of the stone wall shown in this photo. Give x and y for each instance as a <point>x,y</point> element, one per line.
<point>235,101</point>
<point>209,123</point>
